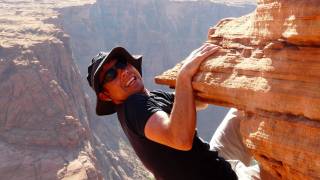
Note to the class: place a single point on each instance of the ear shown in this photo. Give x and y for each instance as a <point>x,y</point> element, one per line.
<point>104,96</point>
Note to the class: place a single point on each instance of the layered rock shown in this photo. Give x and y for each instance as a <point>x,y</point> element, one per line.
<point>47,127</point>
<point>44,127</point>
<point>269,66</point>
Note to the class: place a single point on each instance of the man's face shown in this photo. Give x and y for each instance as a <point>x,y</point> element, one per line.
<point>126,82</point>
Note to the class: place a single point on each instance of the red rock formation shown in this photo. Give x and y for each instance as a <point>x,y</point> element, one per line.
<point>44,130</point>
<point>44,116</point>
<point>269,67</point>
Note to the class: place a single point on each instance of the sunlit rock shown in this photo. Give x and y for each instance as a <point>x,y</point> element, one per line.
<point>269,67</point>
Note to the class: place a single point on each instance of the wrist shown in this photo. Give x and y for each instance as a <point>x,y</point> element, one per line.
<point>183,76</point>
<point>184,73</point>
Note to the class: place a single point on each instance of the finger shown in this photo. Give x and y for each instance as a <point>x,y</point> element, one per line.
<point>213,50</point>
<point>210,44</point>
<point>198,51</point>
<point>204,46</point>
<point>209,48</point>
<point>209,51</point>
<point>205,49</point>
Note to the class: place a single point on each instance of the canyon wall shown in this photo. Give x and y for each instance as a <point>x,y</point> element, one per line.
<point>269,67</point>
<point>44,129</point>
<point>48,128</point>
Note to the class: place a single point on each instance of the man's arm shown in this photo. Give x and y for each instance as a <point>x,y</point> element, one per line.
<point>200,105</point>
<point>177,130</point>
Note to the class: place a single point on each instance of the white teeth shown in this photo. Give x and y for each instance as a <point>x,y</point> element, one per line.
<point>131,80</point>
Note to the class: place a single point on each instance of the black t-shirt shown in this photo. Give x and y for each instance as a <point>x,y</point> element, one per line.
<point>163,161</point>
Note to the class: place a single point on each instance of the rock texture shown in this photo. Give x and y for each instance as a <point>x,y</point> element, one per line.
<point>44,128</point>
<point>269,67</point>
<point>48,129</point>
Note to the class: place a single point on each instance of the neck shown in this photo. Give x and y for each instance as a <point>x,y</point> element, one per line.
<point>146,91</point>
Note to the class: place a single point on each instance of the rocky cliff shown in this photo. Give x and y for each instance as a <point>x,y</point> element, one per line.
<point>44,129</point>
<point>48,129</point>
<point>268,67</point>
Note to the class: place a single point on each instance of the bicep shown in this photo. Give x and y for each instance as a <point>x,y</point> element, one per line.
<point>157,128</point>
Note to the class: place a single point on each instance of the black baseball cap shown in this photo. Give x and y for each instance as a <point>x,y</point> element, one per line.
<point>108,107</point>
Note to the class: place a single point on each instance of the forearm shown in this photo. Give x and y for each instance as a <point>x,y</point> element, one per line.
<point>177,130</point>
<point>183,115</point>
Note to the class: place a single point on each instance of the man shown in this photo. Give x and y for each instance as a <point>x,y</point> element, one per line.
<point>160,126</point>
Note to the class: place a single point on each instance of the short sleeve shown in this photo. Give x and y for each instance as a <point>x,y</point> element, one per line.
<point>138,109</point>
<point>166,95</point>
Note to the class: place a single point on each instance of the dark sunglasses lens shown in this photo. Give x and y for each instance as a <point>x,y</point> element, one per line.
<point>110,75</point>
<point>121,64</point>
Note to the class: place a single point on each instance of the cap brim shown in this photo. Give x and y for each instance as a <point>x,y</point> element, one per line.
<point>105,107</point>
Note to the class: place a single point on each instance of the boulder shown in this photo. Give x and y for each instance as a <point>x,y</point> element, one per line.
<point>268,66</point>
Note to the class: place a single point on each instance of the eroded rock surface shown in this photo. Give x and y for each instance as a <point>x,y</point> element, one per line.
<point>47,127</point>
<point>269,62</point>
<point>46,119</point>
<point>44,128</point>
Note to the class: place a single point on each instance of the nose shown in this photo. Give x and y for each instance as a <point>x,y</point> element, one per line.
<point>123,73</point>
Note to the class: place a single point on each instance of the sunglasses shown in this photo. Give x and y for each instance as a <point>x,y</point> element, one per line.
<point>111,74</point>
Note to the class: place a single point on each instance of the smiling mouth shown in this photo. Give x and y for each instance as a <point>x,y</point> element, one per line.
<point>131,81</point>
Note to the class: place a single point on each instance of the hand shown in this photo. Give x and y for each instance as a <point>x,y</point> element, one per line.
<point>193,61</point>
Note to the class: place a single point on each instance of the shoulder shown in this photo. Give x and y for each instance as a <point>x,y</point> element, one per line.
<point>164,94</point>
<point>138,108</point>
<point>136,98</point>
<point>161,92</point>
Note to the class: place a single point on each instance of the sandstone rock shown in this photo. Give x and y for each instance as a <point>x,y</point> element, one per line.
<point>269,62</point>
<point>44,127</point>
<point>45,116</point>
<point>287,146</point>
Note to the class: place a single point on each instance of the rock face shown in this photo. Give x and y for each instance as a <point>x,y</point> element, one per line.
<point>269,67</point>
<point>48,129</point>
<point>44,128</point>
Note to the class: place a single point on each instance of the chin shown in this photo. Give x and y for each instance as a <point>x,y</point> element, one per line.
<point>140,85</point>
<point>137,88</point>
<point>140,88</point>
